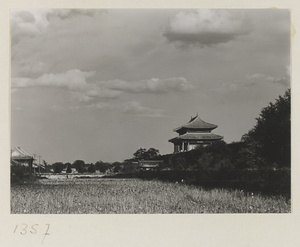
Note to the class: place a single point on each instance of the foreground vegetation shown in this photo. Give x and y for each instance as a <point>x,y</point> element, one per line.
<point>134,196</point>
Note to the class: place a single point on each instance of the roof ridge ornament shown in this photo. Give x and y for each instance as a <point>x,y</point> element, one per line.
<point>196,123</point>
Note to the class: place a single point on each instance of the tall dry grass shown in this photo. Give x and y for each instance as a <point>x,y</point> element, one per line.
<point>133,196</point>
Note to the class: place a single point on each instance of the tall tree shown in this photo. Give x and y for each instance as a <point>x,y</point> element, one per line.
<point>69,170</point>
<point>140,153</point>
<point>117,166</point>
<point>144,154</point>
<point>79,164</point>
<point>102,166</point>
<point>270,139</point>
<point>58,167</point>
<point>152,153</point>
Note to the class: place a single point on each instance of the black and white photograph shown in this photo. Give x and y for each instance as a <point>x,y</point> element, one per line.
<point>150,111</point>
<point>149,123</point>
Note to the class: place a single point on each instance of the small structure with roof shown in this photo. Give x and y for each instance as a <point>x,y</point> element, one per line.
<point>196,132</point>
<point>150,165</point>
<point>21,158</point>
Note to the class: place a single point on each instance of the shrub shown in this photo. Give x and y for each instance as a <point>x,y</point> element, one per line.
<point>92,168</point>
<point>20,174</point>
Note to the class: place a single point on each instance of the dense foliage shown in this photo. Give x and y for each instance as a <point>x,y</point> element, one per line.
<point>269,142</point>
<point>102,166</point>
<point>144,154</point>
<point>58,167</point>
<point>92,168</point>
<point>69,167</point>
<point>79,165</point>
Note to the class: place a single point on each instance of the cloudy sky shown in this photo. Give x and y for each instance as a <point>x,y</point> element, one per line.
<point>99,84</point>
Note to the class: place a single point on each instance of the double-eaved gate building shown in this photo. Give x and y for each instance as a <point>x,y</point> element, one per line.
<point>196,132</point>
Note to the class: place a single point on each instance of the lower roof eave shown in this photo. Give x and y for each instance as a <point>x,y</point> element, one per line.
<point>178,140</point>
<point>22,158</point>
<point>195,140</point>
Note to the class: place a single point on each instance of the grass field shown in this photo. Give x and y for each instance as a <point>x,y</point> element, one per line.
<point>133,196</point>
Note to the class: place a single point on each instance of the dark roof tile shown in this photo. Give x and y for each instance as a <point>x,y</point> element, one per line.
<point>197,123</point>
<point>197,136</point>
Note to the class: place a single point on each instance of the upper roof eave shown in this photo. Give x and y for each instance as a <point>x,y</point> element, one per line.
<point>21,154</point>
<point>196,123</point>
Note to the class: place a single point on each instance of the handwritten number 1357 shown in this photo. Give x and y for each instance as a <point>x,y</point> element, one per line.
<point>32,229</point>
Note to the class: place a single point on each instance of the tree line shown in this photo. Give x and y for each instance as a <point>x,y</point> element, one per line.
<point>128,165</point>
<point>267,144</point>
<point>264,149</point>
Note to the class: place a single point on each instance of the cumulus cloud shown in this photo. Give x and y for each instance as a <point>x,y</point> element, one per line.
<point>254,80</point>
<point>262,78</point>
<point>206,27</point>
<point>153,85</point>
<point>28,23</point>
<point>134,107</point>
<point>70,13</point>
<point>87,94</point>
<point>127,107</point>
<point>77,82</point>
<point>28,66</point>
<point>32,22</point>
<point>72,79</point>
